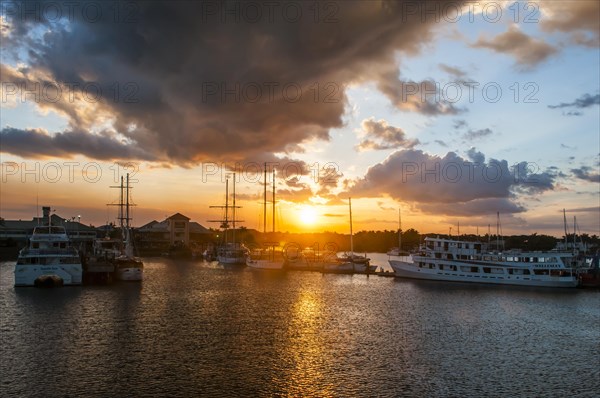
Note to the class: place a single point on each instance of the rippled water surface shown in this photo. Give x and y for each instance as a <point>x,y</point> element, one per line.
<point>195,329</point>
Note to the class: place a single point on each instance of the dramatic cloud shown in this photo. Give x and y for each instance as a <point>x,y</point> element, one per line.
<point>379,135</point>
<point>408,95</point>
<point>586,173</point>
<point>585,101</point>
<point>38,143</point>
<point>429,181</point>
<point>193,81</point>
<point>526,50</point>
<point>579,19</point>
<point>475,207</point>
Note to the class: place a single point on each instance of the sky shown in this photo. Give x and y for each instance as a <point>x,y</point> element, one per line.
<point>451,112</point>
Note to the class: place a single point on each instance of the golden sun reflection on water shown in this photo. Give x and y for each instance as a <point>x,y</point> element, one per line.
<point>305,347</point>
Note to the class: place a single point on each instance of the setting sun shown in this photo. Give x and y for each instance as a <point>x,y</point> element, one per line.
<point>308,215</point>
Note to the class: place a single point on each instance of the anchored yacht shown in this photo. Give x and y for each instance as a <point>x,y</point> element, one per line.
<point>460,261</point>
<point>48,256</point>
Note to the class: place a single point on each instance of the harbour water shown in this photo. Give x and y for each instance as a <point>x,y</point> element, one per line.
<point>196,329</point>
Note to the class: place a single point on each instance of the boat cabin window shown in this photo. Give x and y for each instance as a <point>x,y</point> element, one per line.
<point>438,255</point>
<point>486,270</point>
<point>35,245</point>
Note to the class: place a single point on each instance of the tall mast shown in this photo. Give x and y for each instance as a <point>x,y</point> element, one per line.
<point>399,230</point>
<point>565,222</point>
<point>498,231</point>
<point>121,205</point>
<point>273,201</point>
<point>233,211</point>
<point>127,203</point>
<point>489,236</point>
<point>226,207</point>
<point>265,201</point>
<point>574,232</point>
<point>351,236</point>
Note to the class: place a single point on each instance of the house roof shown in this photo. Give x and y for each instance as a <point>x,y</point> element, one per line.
<point>163,226</point>
<point>178,216</point>
<point>36,221</point>
<point>197,228</point>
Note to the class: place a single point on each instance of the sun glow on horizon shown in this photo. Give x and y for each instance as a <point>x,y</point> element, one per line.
<point>308,215</point>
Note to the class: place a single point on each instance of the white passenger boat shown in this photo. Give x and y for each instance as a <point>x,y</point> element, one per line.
<point>49,257</point>
<point>460,261</point>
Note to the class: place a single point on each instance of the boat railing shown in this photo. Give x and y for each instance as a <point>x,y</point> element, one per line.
<point>69,251</point>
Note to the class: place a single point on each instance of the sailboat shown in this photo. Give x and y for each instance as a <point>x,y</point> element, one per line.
<point>230,253</point>
<point>397,251</point>
<point>350,263</point>
<point>127,267</point>
<point>266,259</point>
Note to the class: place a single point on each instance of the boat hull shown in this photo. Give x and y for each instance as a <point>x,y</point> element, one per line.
<point>129,269</point>
<point>26,275</point>
<point>265,264</point>
<point>132,274</point>
<point>225,260</point>
<point>410,270</point>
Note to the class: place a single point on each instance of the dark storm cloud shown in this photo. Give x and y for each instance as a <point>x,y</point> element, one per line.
<point>469,183</point>
<point>210,80</point>
<point>585,101</point>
